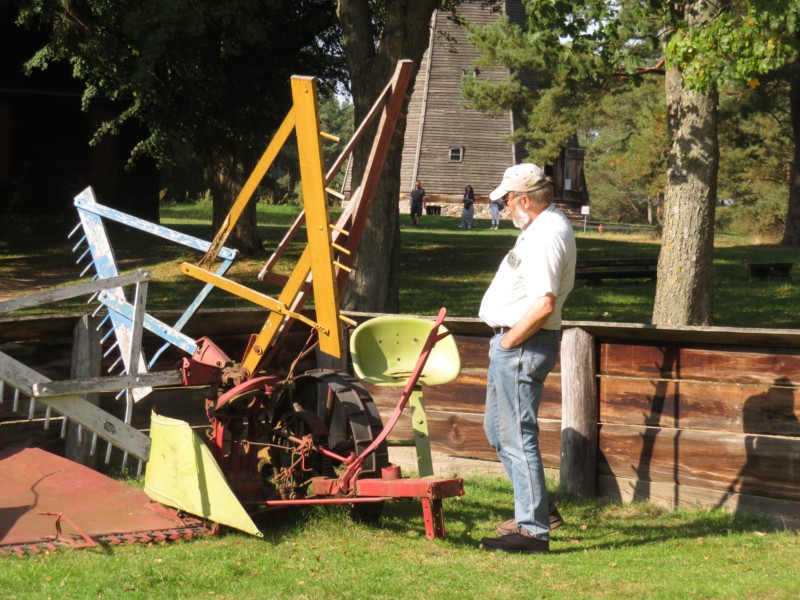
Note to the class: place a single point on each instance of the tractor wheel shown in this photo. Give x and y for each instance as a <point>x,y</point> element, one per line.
<point>352,420</point>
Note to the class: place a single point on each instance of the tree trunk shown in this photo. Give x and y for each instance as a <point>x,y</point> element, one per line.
<point>227,178</point>
<point>685,264</point>
<point>791,235</point>
<point>374,285</point>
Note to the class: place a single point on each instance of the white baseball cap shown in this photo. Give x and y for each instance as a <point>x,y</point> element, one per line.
<point>526,177</point>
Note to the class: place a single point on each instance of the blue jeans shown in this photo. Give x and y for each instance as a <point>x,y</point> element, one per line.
<point>495,212</point>
<point>513,392</point>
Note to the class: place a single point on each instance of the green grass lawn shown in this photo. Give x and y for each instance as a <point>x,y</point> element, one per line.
<point>604,550</point>
<point>441,265</point>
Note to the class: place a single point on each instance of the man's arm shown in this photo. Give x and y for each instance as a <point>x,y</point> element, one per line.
<point>531,322</point>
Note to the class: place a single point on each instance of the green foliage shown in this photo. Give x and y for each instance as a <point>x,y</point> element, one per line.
<point>336,118</point>
<point>754,158</point>
<point>208,74</point>
<point>626,151</point>
<point>745,43</point>
<point>576,53</point>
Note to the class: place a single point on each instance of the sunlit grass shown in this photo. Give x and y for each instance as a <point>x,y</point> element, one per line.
<point>604,550</point>
<point>440,265</point>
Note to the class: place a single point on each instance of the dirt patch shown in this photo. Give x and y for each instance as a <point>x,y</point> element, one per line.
<point>24,284</point>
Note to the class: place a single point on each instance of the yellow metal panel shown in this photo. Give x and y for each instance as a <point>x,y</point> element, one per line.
<point>183,474</point>
<point>312,174</point>
<point>288,296</point>
<point>245,292</point>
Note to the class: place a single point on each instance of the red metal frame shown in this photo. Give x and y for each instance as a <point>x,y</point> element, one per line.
<point>347,488</point>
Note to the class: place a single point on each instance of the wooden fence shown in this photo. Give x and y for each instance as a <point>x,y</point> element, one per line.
<point>680,416</point>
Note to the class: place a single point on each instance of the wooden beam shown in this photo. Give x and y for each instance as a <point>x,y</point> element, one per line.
<point>78,410</point>
<point>578,415</point>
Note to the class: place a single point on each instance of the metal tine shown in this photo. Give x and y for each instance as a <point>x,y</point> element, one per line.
<point>110,349</point>
<point>47,412</point>
<point>124,460</point>
<point>93,447</point>
<point>79,260</point>
<point>93,297</point>
<point>116,362</point>
<point>31,409</point>
<point>108,453</point>
<point>103,322</point>
<point>15,404</point>
<point>2,389</point>
<point>86,270</point>
<point>74,230</point>
<point>139,468</point>
<point>79,434</point>
<point>78,245</point>
<point>107,335</point>
<point>97,310</point>
<point>64,427</point>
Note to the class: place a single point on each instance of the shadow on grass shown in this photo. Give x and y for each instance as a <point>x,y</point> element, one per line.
<point>589,524</point>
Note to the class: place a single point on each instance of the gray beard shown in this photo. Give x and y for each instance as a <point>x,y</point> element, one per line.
<point>520,218</point>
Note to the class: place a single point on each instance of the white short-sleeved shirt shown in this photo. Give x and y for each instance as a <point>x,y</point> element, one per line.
<point>541,262</point>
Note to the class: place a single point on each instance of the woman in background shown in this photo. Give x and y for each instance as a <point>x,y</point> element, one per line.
<point>468,212</point>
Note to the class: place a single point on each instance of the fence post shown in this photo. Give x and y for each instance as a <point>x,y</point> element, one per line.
<point>579,414</point>
<point>87,358</point>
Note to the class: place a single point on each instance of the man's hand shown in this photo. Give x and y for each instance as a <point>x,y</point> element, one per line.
<point>530,323</point>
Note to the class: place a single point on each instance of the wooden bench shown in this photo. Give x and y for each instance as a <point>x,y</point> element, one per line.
<point>764,270</point>
<point>595,271</point>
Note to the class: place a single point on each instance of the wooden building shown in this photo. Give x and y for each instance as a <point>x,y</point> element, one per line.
<point>448,146</point>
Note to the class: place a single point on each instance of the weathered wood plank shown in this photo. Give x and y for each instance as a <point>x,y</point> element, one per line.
<point>468,394</point>
<point>461,434</point>
<point>781,513</point>
<point>474,351</point>
<point>87,361</point>
<point>693,405</point>
<point>77,409</point>
<point>72,291</point>
<point>579,420</point>
<point>753,464</point>
<point>766,366</point>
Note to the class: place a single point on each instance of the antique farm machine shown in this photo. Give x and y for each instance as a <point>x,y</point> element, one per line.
<point>273,440</point>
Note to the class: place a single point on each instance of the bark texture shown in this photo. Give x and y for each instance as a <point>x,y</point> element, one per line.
<point>371,56</point>
<point>791,235</point>
<point>685,264</point>
<point>227,177</point>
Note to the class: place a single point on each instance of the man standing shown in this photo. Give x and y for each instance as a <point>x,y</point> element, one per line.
<point>417,201</point>
<point>523,305</point>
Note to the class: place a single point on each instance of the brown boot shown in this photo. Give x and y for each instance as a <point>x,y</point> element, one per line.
<point>510,526</point>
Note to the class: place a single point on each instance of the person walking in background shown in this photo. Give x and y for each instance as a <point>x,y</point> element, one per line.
<point>495,206</point>
<point>468,212</point>
<point>523,306</point>
<point>417,202</point>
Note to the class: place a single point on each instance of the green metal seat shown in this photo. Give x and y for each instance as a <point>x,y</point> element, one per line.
<point>385,351</point>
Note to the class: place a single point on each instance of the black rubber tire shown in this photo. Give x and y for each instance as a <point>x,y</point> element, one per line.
<point>353,422</point>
